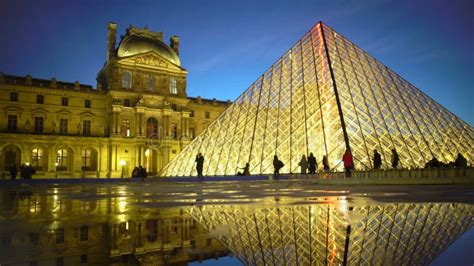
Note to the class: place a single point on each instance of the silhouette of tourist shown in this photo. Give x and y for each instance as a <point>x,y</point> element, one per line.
<point>26,171</point>
<point>395,158</point>
<point>303,165</point>
<point>348,162</point>
<point>326,164</point>
<point>312,164</point>
<point>13,171</point>
<point>141,171</point>
<point>277,165</point>
<point>377,160</point>
<point>460,161</point>
<point>199,163</point>
<point>135,172</point>
<point>246,171</point>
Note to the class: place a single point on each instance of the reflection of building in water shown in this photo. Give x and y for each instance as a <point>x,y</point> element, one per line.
<point>48,230</point>
<point>393,234</point>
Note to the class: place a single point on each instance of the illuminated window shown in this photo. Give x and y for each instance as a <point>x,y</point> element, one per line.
<point>12,122</point>
<point>64,101</point>
<point>173,88</point>
<point>86,128</point>
<point>13,96</point>
<point>152,127</point>
<point>61,159</point>
<point>40,99</point>
<point>89,159</point>
<point>63,126</point>
<point>87,103</point>
<point>150,84</point>
<point>127,80</point>
<point>125,128</point>
<point>39,124</point>
<point>37,159</point>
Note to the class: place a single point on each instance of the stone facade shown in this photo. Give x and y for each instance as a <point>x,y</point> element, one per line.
<point>138,114</point>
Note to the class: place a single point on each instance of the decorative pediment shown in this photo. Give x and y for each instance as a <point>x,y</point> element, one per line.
<point>150,59</point>
<point>87,113</point>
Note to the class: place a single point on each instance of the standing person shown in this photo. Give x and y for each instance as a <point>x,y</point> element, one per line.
<point>23,171</point>
<point>199,163</point>
<point>325,163</point>
<point>348,162</point>
<point>13,171</point>
<point>277,165</point>
<point>312,164</point>
<point>135,172</point>
<point>303,164</point>
<point>395,158</point>
<point>247,169</point>
<point>377,160</point>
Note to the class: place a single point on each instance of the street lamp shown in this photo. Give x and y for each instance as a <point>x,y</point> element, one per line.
<point>56,164</point>
<point>122,163</point>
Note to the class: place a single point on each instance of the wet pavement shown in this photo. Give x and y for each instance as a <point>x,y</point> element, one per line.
<point>255,222</point>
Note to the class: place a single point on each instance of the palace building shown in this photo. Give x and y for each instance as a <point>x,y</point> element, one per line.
<point>138,114</point>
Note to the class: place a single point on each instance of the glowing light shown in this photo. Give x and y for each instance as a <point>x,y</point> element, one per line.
<point>122,162</point>
<point>147,152</point>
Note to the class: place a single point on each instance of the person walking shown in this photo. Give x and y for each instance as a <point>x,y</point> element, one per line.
<point>395,158</point>
<point>199,164</point>
<point>377,160</point>
<point>326,164</point>
<point>277,165</point>
<point>303,165</point>
<point>348,162</point>
<point>312,165</point>
<point>13,171</point>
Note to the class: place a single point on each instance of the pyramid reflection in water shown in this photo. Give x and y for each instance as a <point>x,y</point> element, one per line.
<point>325,95</point>
<point>393,234</point>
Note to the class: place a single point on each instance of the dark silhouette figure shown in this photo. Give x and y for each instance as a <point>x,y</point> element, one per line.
<point>26,171</point>
<point>312,165</point>
<point>246,171</point>
<point>199,163</point>
<point>395,158</point>
<point>377,160</point>
<point>303,164</point>
<point>277,165</point>
<point>326,163</point>
<point>141,171</point>
<point>348,162</point>
<point>13,171</point>
<point>460,161</point>
<point>135,172</point>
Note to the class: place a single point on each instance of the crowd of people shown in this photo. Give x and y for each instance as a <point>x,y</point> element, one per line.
<point>139,172</point>
<point>26,171</point>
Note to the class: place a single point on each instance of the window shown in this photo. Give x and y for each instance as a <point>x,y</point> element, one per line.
<point>40,99</point>
<point>151,128</point>
<point>209,242</point>
<point>173,88</point>
<point>84,258</point>
<point>192,132</point>
<point>127,80</point>
<point>86,128</point>
<point>61,159</point>
<point>37,159</point>
<point>150,84</point>
<point>208,115</point>
<point>84,233</point>
<point>60,236</point>
<point>89,158</point>
<point>174,107</point>
<point>34,238</point>
<point>174,131</point>
<point>39,121</point>
<point>191,114</point>
<point>63,126</point>
<point>12,121</point>
<point>64,101</point>
<point>87,103</point>
<point>125,128</point>
<point>60,261</point>
<point>126,102</point>
<point>13,96</point>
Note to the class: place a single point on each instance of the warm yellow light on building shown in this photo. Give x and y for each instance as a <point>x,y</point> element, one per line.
<point>122,162</point>
<point>147,152</point>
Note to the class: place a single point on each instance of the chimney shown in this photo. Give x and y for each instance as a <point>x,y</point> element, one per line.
<point>174,43</point>
<point>111,30</point>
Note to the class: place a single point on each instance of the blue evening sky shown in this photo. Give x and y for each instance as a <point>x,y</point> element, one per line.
<point>226,45</point>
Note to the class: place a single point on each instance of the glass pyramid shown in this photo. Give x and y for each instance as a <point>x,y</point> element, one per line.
<point>318,234</point>
<point>324,95</point>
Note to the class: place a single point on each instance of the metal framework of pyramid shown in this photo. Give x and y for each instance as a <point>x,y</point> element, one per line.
<point>317,234</point>
<point>326,95</point>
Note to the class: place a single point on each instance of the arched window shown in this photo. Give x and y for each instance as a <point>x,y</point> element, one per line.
<point>152,127</point>
<point>89,160</point>
<point>150,84</point>
<point>37,159</point>
<point>127,80</point>
<point>173,87</point>
<point>62,159</point>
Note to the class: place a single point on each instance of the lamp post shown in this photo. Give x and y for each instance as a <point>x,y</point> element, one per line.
<point>122,163</point>
<point>56,164</point>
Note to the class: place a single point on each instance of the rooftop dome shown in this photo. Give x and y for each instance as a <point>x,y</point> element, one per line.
<point>133,45</point>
